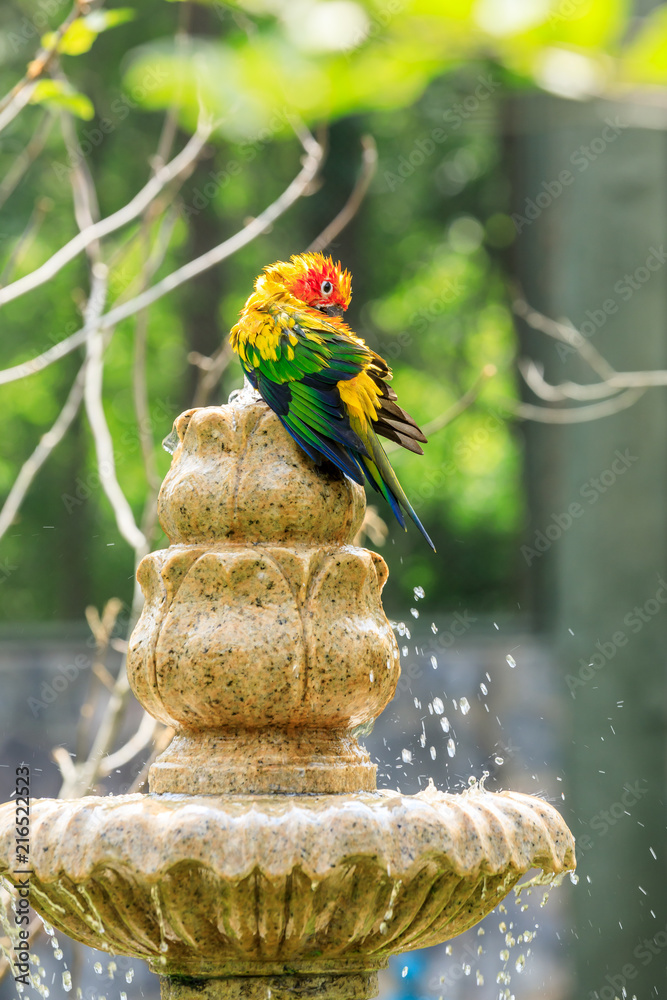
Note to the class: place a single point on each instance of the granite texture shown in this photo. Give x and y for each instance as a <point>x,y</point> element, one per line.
<point>263,849</point>
<point>263,641</point>
<point>243,885</point>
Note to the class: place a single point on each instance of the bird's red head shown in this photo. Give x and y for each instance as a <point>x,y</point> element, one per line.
<point>316,280</point>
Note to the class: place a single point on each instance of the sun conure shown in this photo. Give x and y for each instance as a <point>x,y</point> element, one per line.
<point>327,387</point>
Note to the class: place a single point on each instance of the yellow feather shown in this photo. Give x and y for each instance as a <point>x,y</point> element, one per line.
<point>360,396</point>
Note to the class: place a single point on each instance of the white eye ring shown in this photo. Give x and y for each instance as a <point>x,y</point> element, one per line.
<point>326,287</point>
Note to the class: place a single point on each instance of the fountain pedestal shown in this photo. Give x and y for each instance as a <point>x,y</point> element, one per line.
<point>264,862</point>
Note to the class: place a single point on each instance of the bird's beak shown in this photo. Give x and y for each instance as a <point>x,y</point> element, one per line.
<point>332,310</point>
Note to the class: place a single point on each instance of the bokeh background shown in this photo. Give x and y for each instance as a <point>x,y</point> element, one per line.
<point>512,239</point>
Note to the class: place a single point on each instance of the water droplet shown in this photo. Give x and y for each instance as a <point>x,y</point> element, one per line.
<point>448,949</point>
<point>404,971</point>
<point>406,755</point>
<point>464,706</point>
<point>419,593</point>
<point>502,927</point>
<point>434,663</point>
<point>451,747</point>
<point>510,659</point>
<point>438,706</point>
<point>414,612</point>
<point>432,752</point>
<point>98,968</point>
<point>520,963</point>
<point>480,978</point>
<point>129,975</point>
<point>505,955</point>
<point>67,980</point>
<point>434,628</point>
<point>445,724</point>
<point>574,878</point>
<point>404,650</point>
<point>499,760</point>
<point>372,676</point>
<point>466,970</point>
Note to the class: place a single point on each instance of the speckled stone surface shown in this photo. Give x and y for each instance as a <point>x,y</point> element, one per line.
<point>263,627</point>
<point>251,885</point>
<point>359,986</point>
<point>264,850</point>
<point>238,476</point>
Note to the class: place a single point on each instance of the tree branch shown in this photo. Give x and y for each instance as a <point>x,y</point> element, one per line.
<point>13,103</point>
<point>575,414</point>
<point>46,445</point>
<point>95,232</point>
<point>466,400</point>
<point>369,161</point>
<point>26,158</point>
<point>177,278</point>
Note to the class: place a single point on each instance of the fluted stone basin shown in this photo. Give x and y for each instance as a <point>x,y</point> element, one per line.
<point>264,861</point>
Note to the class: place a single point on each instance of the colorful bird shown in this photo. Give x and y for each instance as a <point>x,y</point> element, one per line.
<point>328,388</point>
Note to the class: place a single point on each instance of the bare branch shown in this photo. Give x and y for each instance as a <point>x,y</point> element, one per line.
<point>575,414</point>
<point>95,232</point>
<point>369,161</point>
<point>85,774</point>
<point>42,207</point>
<point>134,745</point>
<point>532,373</point>
<point>617,390</point>
<point>86,211</point>
<point>17,98</point>
<point>47,443</point>
<point>177,278</point>
<point>466,400</point>
<point>372,526</point>
<point>26,158</point>
<point>211,370</point>
<point>163,738</point>
<point>566,333</point>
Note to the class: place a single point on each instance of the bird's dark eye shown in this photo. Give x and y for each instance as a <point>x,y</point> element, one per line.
<point>326,288</point>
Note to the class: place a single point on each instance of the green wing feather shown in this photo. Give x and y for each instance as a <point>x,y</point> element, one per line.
<point>300,385</point>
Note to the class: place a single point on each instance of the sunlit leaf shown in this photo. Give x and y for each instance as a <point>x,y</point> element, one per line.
<point>644,60</point>
<point>82,33</point>
<point>55,93</point>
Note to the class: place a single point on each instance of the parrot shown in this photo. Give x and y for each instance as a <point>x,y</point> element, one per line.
<point>327,387</point>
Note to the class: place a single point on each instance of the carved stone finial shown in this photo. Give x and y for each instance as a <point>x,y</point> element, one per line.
<point>263,640</point>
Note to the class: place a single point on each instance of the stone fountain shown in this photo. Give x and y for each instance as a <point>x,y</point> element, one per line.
<point>264,862</point>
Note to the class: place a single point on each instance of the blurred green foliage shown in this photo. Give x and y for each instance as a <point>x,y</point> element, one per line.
<point>426,78</point>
